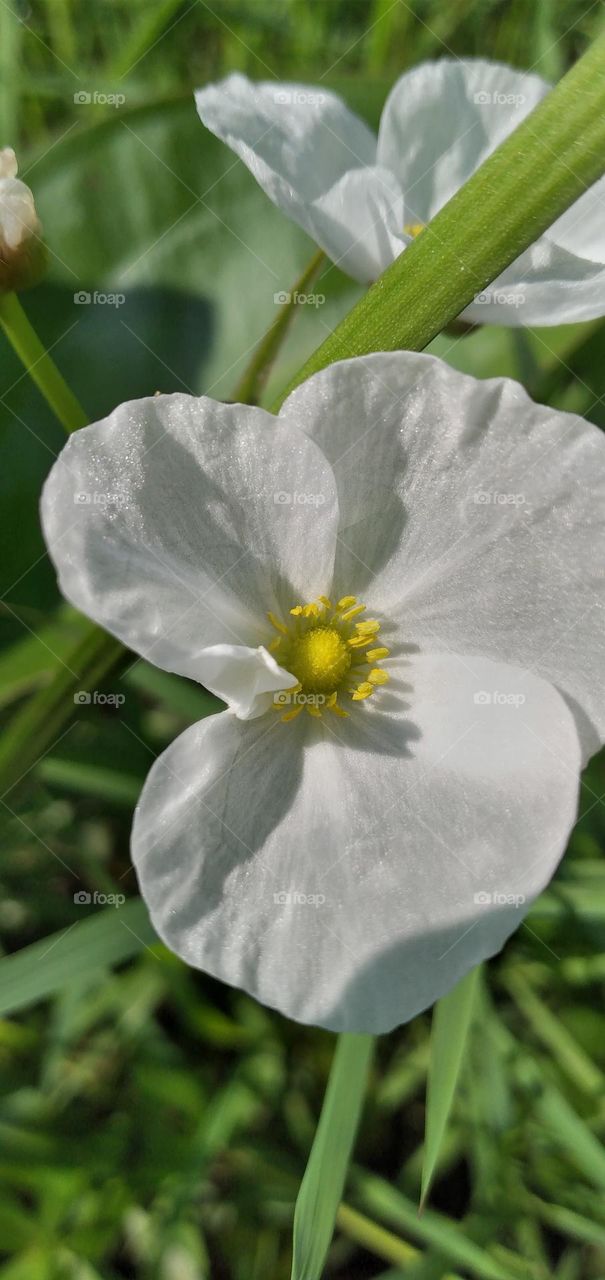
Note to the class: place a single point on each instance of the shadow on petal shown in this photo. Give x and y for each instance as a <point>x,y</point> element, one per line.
<point>407,977</point>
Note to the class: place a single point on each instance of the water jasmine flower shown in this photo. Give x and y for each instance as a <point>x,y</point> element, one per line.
<point>363,199</point>
<point>396,586</point>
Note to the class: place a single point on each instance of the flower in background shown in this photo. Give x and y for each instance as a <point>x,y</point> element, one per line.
<point>21,248</point>
<point>396,586</point>
<point>364,199</point>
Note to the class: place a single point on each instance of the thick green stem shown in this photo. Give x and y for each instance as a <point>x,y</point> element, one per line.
<point>254,377</point>
<point>41,368</point>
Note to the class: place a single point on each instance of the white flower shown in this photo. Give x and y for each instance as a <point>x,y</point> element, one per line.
<point>362,199</point>
<point>19,226</point>
<point>347,869</point>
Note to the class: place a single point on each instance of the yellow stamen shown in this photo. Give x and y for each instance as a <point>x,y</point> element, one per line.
<point>279,626</point>
<point>326,603</point>
<point>368,628</point>
<point>352,613</point>
<point>332,705</point>
<point>313,711</point>
<point>362,691</point>
<point>377,676</point>
<point>291,715</point>
<point>346,602</point>
<point>296,611</point>
<point>376,655</point>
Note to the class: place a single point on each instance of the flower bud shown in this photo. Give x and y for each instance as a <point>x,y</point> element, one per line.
<point>21,248</point>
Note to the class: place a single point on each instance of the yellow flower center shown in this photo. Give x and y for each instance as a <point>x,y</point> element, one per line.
<point>319,659</point>
<point>333,654</point>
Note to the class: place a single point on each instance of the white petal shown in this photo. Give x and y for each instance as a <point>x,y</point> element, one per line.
<point>581,229</point>
<point>179,522</point>
<point>297,140</point>
<point>359,222</point>
<point>8,163</point>
<point>338,872</point>
<point>18,218</point>
<point>548,284</point>
<point>442,120</point>
<point>246,679</point>
<point>470,513</point>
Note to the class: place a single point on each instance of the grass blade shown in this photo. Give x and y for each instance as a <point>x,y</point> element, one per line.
<point>452,1018</point>
<point>82,951</point>
<point>322,1186</point>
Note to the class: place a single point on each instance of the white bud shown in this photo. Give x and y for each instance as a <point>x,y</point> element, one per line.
<point>21,249</point>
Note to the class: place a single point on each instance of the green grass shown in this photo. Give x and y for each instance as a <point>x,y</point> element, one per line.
<point>153,1123</point>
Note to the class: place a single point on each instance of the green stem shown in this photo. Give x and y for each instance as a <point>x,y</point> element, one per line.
<point>254,377</point>
<point>377,1240</point>
<point>36,725</point>
<point>41,368</point>
<point>541,169</point>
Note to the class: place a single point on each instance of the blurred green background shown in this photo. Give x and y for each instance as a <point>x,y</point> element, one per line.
<point>154,1124</point>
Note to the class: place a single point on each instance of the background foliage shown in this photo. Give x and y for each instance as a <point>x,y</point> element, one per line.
<point>154,1123</point>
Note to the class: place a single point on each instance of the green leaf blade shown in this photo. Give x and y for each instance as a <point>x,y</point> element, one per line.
<point>452,1019</point>
<point>322,1186</point>
<point>83,950</point>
